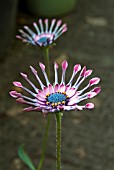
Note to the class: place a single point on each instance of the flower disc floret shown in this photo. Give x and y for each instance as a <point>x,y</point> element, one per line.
<point>56,99</point>
<point>59,96</point>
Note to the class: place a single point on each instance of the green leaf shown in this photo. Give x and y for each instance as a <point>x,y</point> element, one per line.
<point>25,158</point>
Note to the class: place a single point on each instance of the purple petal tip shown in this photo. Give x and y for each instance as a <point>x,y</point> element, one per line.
<point>17,84</point>
<point>46,20</point>
<point>28,109</point>
<point>97,90</point>
<point>59,22</point>
<point>64,65</point>
<point>77,67</point>
<point>94,81</point>
<point>89,106</point>
<point>88,73</point>
<point>23,75</point>
<point>13,94</point>
<point>33,70</point>
<point>42,66</point>
<point>56,65</point>
<point>83,71</point>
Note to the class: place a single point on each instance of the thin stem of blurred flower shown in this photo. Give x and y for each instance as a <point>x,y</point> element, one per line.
<point>47,63</point>
<point>58,140</point>
<point>46,57</point>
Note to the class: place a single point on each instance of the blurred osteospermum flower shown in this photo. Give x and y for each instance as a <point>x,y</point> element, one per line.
<point>57,97</point>
<point>44,35</point>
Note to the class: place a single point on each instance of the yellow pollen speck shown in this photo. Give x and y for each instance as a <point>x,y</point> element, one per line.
<point>64,92</point>
<point>47,95</point>
<point>63,102</point>
<point>47,103</point>
<point>59,103</point>
<point>53,104</point>
<point>56,104</point>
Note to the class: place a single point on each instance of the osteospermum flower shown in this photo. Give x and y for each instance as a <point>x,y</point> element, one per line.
<point>44,35</point>
<point>59,96</point>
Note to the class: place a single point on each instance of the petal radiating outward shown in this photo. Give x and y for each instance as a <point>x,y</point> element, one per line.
<point>43,35</point>
<point>59,96</point>
<point>64,67</point>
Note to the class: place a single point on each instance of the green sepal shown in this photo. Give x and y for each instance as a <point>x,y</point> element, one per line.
<point>61,113</point>
<point>25,158</point>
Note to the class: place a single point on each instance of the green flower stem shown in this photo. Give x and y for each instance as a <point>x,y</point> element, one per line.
<point>46,56</point>
<point>58,141</point>
<point>44,144</point>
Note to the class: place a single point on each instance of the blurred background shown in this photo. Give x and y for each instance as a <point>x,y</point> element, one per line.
<point>87,136</point>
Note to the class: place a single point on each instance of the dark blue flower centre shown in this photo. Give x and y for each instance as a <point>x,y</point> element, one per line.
<point>56,98</point>
<point>43,40</point>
